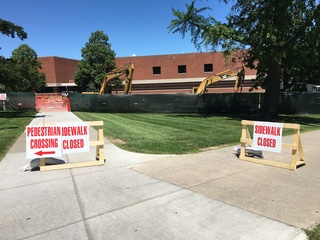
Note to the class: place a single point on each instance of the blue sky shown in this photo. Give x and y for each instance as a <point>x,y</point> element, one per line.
<point>62,27</point>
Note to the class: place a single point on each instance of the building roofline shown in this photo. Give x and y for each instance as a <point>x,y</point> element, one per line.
<point>59,57</point>
<point>153,55</point>
<point>169,54</point>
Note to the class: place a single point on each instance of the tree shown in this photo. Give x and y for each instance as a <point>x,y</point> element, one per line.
<point>20,72</point>
<point>7,72</point>
<point>17,74</point>
<point>97,59</point>
<point>262,32</point>
<point>12,30</point>
<point>302,62</point>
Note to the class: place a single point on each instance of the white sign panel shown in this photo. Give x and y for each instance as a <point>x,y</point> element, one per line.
<point>267,136</point>
<point>53,141</point>
<point>3,96</point>
<point>75,137</point>
<point>43,141</point>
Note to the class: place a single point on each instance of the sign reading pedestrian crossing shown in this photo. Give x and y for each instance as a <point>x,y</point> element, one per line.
<point>55,140</point>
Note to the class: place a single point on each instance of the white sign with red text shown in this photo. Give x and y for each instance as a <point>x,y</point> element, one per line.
<point>53,141</point>
<point>267,136</point>
<point>75,137</point>
<point>43,141</point>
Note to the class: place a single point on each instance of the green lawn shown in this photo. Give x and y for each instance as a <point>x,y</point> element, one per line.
<point>166,133</point>
<point>313,234</point>
<point>180,133</point>
<point>12,125</point>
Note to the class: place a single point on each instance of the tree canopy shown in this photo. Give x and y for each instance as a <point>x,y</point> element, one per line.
<point>20,72</point>
<point>273,37</point>
<point>11,30</point>
<point>97,59</point>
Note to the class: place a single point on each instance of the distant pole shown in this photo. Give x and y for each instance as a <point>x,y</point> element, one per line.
<point>68,102</point>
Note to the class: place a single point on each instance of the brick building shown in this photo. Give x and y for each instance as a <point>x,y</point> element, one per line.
<point>59,73</point>
<point>171,73</point>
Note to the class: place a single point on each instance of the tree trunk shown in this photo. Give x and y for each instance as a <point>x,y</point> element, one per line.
<point>271,96</point>
<point>286,85</point>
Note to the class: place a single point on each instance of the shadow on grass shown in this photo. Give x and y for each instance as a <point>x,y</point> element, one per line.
<point>6,128</point>
<point>17,114</point>
<point>225,116</point>
<point>303,119</point>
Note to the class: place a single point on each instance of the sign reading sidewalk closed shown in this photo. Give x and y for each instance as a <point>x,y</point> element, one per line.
<point>75,138</point>
<point>53,141</point>
<point>267,136</point>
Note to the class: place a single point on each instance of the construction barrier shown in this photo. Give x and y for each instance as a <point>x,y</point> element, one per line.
<point>289,102</point>
<point>19,101</point>
<point>295,146</point>
<point>48,102</point>
<point>99,153</point>
<point>167,103</point>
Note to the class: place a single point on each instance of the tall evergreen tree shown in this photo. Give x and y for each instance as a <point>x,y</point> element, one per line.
<point>25,75</point>
<point>97,59</point>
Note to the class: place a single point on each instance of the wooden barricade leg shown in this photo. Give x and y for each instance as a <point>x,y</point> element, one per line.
<point>42,162</point>
<point>301,152</point>
<point>100,148</point>
<point>245,139</point>
<point>297,148</point>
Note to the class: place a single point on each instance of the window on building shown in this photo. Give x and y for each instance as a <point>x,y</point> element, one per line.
<point>182,69</point>
<point>208,67</point>
<point>156,70</point>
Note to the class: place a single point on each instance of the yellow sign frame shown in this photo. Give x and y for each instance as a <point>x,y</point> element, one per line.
<point>295,146</point>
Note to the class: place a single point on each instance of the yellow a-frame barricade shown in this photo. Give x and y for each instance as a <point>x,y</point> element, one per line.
<point>99,153</point>
<point>296,147</point>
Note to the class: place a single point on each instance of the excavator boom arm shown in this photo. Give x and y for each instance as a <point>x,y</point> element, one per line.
<point>117,72</point>
<point>221,76</point>
<point>206,82</point>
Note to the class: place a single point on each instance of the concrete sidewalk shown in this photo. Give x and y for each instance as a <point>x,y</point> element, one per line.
<point>209,195</point>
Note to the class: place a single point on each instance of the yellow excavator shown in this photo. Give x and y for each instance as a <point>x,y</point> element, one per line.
<point>239,73</point>
<point>126,70</point>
